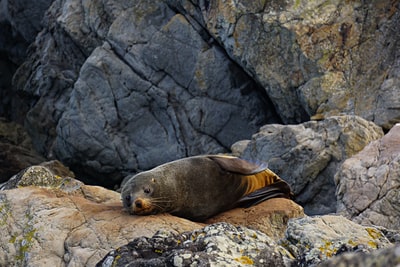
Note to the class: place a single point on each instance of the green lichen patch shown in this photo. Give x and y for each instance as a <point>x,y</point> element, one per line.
<point>5,210</point>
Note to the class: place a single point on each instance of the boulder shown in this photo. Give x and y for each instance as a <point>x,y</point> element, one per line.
<point>269,217</point>
<point>218,244</point>
<point>308,241</point>
<point>315,239</point>
<point>367,183</point>
<point>313,58</point>
<point>48,218</point>
<point>308,155</point>
<point>141,85</point>
<point>48,174</point>
<point>380,258</point>
<point>51,219</point>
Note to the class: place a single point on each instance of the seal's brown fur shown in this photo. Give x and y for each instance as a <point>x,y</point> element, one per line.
<point>200,187</point>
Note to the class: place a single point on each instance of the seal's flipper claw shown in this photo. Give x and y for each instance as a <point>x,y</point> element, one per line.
<point>278,189</point>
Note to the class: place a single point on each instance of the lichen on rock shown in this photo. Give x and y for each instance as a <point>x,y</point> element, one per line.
<point>218,244</point>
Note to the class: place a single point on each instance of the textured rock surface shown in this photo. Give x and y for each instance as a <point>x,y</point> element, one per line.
<point>314,239</point>
<point>67,223</point>
<point>62,222</point>
<point>48,218</point>
<point>314,150</point>
<point>381,258</point>
<point>368,183</point>
<point>215,245</point>
<point>270,217</point>
<point>50,174</point>
<point>136,86</point>
<point>16,151</point>
<point>310,56</point>
<point>107,84</point>
<point>308,241</point>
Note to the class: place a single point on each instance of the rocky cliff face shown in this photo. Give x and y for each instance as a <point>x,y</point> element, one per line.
<point>115,87</point>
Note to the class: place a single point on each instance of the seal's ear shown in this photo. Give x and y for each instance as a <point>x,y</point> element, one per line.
<point>237,165</point>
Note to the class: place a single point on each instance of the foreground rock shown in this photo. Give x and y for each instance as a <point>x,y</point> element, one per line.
<point>381,258</point>
<point>308,241</point>
<point>315,239</point>
<point>66,223</point>
<point>269,217</point>
<point>368,183</point>
<point>47,218</point>
<point>62,222</point>
<point>215,245</point>
<point>314,151</point>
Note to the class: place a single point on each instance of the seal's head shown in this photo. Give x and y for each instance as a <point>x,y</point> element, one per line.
<point>141,195</point>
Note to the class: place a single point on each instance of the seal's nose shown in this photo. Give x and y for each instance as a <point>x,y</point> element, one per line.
<point>128,201</point>
<point>138,204</point>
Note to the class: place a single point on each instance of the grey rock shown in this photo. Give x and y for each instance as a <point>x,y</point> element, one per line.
<point>315,239</point>
<point>380,258</point>
<point>315,58</point>
<point>367,183</point>
<point>215,245</point>
<point>197,75</point>
<point>268,51</point>
<point>136,106</point>
<point>48,174</point>
<point>308,155</point>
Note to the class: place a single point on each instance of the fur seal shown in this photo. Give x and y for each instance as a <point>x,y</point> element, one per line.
<point>199,187</point>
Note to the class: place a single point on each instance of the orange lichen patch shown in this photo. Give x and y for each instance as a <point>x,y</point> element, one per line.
<point>375,234</point>
<point>244,260</point>
<point>328,249</point>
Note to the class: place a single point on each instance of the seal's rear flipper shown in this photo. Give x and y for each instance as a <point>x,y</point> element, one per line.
<point>277,189</point>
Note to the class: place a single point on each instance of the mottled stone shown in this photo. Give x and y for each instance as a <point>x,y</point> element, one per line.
<point>316,58</point>
<point>367,183</point>
<point>114,87</point>
<point>71,225</point>
<point>315,239</point>
<point>270,217</point>
<point>215,245</point>
<point>48,174</point>
<point>380,258</point>
<point>308,155</point>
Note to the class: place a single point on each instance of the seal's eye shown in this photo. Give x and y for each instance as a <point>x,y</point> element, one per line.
<point>128,200</point>
<point>146,190</point>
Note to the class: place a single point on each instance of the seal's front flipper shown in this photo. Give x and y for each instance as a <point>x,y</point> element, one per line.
<point>277,189</point>
<point>238,165</point>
